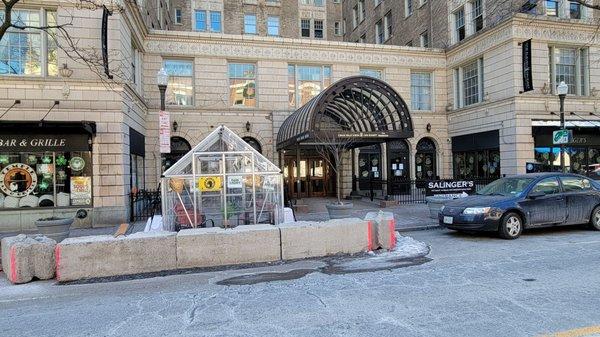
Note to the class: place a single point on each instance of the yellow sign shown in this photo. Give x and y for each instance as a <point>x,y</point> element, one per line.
<point>210,184</point>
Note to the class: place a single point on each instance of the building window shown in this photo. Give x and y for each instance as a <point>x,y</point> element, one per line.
<point>571,66</point>
<point>201,21</point>
<point>318,29</point>
<point>273,25</point>
<point>477,15</point>
<point>318,3</point>
<point>388,28</point>
<point>180,90</point>
<point>574,10</point>
<point>215,22</point>
<point>355,16</point>
<point>408,7</point>
<point>459,24</point>
<point>363,38</point>
<point>361,10</point>
<point>250,24</point>
<point>469,84</point>
<point>337,28</point>
<point>305,27</point>
<point>379,33</point>
<point>306,82</point>
<point>424,40</point>
<point>29,51</point>
<point>375,73</point>
<point>242,84</point>
<point>426,160</point>
<point>476,164</point>
<point>552,7</point>
<point>377,2</point>
<point>420,90</point>
<point>178,16</point>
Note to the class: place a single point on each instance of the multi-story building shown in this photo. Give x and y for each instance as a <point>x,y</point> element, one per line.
<point>307,19</point>
<point>71,138</point>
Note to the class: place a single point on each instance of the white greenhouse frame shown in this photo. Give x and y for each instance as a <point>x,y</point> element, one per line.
<point>257,177</point>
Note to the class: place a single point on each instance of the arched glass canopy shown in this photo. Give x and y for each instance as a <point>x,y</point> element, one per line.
<point>363,109</point>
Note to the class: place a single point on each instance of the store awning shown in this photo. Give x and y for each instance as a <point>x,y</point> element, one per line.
<point>362,109</point>
<point>17,136</point>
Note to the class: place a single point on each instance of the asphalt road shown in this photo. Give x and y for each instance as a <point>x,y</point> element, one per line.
<point>546,281</point>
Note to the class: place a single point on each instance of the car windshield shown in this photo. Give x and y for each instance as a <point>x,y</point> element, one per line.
<point>506,187</point>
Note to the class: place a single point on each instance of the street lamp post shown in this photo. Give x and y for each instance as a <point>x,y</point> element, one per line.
<point>562,89</point>
<point>162,78</point>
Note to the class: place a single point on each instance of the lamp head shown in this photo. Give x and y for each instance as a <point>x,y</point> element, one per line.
<point>562,88</point>
<point>162,78</point>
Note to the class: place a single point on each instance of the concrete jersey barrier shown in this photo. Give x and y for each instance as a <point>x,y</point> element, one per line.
<point>25,257</point>
<point>314,239</point>
<point>208,247</point>
<point>104,256</point>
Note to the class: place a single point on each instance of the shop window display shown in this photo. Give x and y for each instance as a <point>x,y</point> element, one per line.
<point>580,160</point>
<point>45,179</point>
<point>481,164</point>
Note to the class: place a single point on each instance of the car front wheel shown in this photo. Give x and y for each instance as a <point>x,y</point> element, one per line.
<point>595,219</point>
<point>511,226</point>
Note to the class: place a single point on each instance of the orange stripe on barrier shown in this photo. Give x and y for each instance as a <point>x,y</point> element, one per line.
<point>57,257</point>
<point>392,226</point>
<point>13,263</point>
<point>370,235</point>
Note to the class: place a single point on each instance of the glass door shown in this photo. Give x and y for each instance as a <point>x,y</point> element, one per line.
<point>317,170</point>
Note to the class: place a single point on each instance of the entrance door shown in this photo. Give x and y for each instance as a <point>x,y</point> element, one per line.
<point>398,168</point>
<point>314,177</point>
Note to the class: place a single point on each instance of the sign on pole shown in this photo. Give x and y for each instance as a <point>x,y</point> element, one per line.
<point>164,131</point>
<point>561,137</point>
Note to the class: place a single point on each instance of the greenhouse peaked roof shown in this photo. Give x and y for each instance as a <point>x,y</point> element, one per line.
<point>221,140</point>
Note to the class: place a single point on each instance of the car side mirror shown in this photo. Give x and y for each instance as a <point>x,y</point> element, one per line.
<point>535,195</point>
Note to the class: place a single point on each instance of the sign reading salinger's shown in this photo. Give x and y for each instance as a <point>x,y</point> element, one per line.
<point>445,187</point>
<point>25,142</point>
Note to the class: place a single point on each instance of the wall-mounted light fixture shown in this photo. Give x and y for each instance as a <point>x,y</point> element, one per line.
<point>428,127</point>
<point>65,71</point>
<point>248,125</point>
<point>175,126</point>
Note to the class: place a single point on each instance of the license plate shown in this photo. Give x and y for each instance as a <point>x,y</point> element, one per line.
<point>448,220</point>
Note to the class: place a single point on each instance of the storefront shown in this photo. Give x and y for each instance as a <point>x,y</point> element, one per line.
<point>582,156</point>
<point>46,165</point>
<point>477,155</point>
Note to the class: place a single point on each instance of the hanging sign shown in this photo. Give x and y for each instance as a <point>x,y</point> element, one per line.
<point>164,131</point>
<point>81,191</point>
<point>561,137</point>
<point>18,180</point>
<point>235,182</point>
<point>210,184</point>
<point>527,69</point>
<point>104,38</point>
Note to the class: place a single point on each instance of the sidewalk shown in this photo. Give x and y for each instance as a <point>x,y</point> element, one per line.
<point>408,217</point>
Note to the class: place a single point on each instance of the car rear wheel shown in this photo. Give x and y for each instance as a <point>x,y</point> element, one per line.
<point>595,219</point>
<point>511,226</point>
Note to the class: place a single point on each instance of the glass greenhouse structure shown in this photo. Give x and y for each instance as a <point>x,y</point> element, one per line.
<point>222,181</point>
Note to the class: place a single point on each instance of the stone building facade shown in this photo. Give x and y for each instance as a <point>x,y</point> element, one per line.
<point>279,18</point>
<point>471,118</point>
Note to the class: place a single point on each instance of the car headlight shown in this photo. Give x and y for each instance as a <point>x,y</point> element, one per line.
<point>476,210</point>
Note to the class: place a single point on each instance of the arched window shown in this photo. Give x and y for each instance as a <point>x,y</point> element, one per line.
<point>179,147</point>
<point>254,143</point>
<point>425,160</point>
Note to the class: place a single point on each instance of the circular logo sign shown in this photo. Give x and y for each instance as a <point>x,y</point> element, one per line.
<point>77,163</point>
<point>18,180</point>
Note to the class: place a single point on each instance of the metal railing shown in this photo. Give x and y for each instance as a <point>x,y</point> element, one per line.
<point>403,191</point>
<point>144,204</point>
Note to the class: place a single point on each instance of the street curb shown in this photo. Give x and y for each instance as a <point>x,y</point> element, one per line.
<point>418,228</point>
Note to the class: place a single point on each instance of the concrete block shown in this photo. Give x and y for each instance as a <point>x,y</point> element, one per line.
<point>103,255</point>
<point>207,247</point>
<point>312,239</point>
<point>382,230</point>
<point>25,257</point>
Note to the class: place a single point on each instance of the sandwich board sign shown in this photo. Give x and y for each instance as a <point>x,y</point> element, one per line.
<point>561,137</point>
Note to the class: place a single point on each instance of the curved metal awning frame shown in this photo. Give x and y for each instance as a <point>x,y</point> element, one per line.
<point>358,108</point>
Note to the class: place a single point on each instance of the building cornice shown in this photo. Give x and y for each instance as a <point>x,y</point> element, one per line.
<point>193,44</point>
<point>524,27</point>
